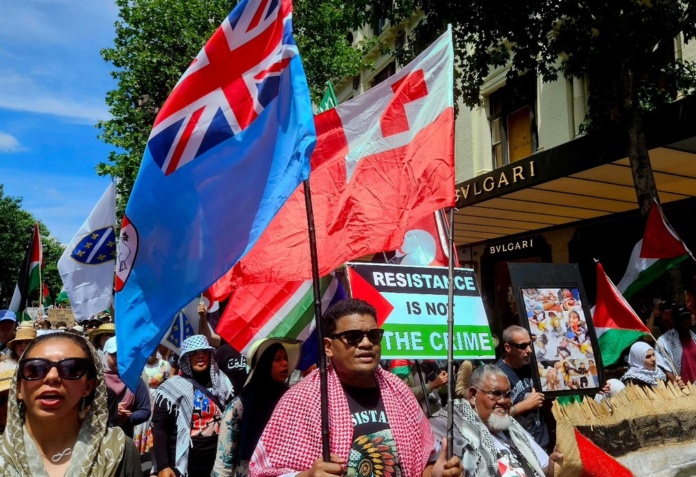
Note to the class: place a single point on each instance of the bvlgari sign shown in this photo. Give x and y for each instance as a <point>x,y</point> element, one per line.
<point>511,246</point>
<point>493,182</point>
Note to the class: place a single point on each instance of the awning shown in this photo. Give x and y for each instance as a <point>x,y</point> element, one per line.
<point>583,179</point>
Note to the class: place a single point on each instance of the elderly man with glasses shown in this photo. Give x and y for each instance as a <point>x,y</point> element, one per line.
<point>527,403</point>
<point>377,428</point>
<point>489,442</point>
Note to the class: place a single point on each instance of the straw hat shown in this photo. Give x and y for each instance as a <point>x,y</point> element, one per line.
<point>6,379</point>
<point>293,348</point>
<point>24,333</point>
<point>109,328</point>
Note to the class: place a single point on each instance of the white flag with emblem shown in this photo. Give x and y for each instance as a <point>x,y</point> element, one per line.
<point>87,264</point>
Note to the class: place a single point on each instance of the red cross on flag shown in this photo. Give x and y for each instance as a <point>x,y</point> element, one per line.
<point>383,161</point>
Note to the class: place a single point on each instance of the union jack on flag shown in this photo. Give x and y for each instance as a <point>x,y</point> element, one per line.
<point>227,86</point>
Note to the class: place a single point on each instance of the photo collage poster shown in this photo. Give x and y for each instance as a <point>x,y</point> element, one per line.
<point>561,340</point>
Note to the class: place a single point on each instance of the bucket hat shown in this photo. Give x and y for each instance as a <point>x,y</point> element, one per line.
<point>195,343</point>
<point>24,333</point>
<point>109,328</point>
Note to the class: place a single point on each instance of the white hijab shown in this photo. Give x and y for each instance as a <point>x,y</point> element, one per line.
<point>637,370</point>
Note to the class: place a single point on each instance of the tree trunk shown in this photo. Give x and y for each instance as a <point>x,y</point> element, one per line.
<point>636,147</point>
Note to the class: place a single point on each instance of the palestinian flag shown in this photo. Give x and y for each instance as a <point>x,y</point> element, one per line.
<point>401,367</point>
<point>47,301</point>
<point>29,275</point>
<point>596,462</point>
<point>615,322</point>
<point>278,310</point>
<point>660,250</point>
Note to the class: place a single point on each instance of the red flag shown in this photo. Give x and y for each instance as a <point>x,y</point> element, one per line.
<point>382,162</point>
<point>659,240</point>
<point>596,462</point>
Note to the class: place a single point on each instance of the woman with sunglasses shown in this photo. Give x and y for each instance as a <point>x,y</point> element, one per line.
<point>188,411</point>
<point>271,362</point>
<point>56,423</point>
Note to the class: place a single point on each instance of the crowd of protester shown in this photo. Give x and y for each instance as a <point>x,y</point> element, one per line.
<point>64,409</point>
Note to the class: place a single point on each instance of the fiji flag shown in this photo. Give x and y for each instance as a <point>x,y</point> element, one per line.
<point>227,149</point>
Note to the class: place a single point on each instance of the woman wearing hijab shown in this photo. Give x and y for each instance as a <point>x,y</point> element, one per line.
<point>643,370</point>
<point>56,423</point>
<point>188,410</point>
<point>271,362</point>
<point>132,409</point>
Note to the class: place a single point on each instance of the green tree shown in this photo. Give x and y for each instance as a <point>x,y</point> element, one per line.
<point>619,45</point>
<point>156,40</point>
<point>16,226</point>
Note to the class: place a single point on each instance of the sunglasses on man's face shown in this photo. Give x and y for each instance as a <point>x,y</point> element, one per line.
<point>35,369</point>
<point>524,345</point>
<point>355,337</point>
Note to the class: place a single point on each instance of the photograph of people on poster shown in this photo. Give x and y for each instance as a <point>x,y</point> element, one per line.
<point>561,341</point>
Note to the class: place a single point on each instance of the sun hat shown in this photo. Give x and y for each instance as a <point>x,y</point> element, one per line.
<point>6,379</point>
<point>110,345</point>
<point>109,328</point>
<point>7,315</point>
<point>195,343</point>
<point>24,333</point>
<point>292,347</point>
<point>78,328</point>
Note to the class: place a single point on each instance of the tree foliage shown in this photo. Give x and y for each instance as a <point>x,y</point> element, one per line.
<point>16,226</point>
<point>156,40</point>
<point>622,46</point>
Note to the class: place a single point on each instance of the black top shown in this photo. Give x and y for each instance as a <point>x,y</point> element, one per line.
<point>130,462</point>
<point>374,452</point>
<point>521,384</point>
<point>234,365</point>
<point>204,429</point>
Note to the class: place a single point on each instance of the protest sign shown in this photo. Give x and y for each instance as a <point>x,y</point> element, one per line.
<point>411,305</point>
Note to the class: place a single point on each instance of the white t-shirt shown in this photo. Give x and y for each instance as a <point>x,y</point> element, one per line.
<point>507,462</point>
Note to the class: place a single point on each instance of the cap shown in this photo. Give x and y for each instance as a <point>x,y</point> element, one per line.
<point>7,315</point>
<point>292,348</point>
<point>680,312</point>
<point>110,345</point>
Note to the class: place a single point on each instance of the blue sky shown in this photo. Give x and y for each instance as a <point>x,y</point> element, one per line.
<point>52,88</point>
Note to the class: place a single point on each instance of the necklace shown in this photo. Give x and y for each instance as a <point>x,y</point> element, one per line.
<point>59,456</point>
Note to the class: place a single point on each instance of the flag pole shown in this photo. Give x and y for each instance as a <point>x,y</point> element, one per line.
<point>326,452</point>
<point>422,384</point>
<point>450,337</point>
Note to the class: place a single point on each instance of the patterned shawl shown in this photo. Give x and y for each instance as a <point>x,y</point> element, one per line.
<point>178,392</point>
<point>672,345</point>
<point>473,442</point>
<point>97,452</point>
<point>291,441</point>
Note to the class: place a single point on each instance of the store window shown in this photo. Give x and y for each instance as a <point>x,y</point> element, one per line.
<point>512,117</point>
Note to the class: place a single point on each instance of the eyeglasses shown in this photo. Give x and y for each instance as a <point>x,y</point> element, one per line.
<point>496,395</point>
<point>355,337</point>
<point>38,368</point>
<point>521,345</point>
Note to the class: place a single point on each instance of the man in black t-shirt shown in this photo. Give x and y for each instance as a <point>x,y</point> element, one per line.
<point>526,401</point>
<point>374,417</point>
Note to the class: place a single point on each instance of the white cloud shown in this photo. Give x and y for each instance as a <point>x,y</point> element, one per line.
<point>9,143</point>
<point>23,93</point>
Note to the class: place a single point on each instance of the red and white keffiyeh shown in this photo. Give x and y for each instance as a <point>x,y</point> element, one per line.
<point>292,439</point>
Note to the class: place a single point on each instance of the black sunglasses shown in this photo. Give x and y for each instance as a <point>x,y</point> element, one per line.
<point>355,337</point>
<point>521,345</point>
<point>35,369</point>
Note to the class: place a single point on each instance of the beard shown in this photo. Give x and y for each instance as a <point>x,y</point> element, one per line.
<point>497,423</point>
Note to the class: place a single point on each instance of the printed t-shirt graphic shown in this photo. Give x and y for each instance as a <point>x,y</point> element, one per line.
<point>206,416</point>
<point>373,453</point>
